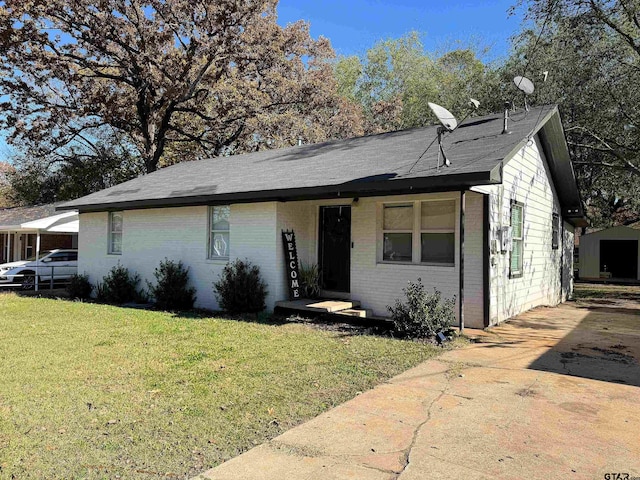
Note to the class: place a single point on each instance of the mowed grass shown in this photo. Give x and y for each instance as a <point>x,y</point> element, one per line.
<point>95,391</point>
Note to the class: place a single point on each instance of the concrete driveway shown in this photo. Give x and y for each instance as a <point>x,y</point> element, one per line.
<point>554,393</point>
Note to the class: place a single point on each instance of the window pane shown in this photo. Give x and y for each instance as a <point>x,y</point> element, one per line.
<point>116,243</point>
<point>438,247</point>
<point>516,221</point>
<point>397,247</point>
<point>398,217</point>
<point>516,257</point>
<point>116,222</point>
<point>220,244</point>
<point>220,218</point>
<point>438,215</point>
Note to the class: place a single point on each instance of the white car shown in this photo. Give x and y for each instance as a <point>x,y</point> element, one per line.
<point>62,264</point>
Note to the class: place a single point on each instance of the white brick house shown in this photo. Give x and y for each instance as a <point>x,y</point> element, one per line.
<point>372,212</point>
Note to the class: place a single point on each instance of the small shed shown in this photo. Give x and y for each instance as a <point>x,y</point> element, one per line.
<point>610,254</point>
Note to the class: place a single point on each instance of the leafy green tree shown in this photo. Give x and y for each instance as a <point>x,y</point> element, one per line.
<point>38,180</point>
<point>396,78</point>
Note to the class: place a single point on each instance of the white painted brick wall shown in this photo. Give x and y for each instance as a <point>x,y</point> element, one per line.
<point>473,267</point>
<point>150,235</point>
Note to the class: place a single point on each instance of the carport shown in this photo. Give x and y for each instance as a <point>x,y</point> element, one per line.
<point>26,231</point>
<point>20,226</point>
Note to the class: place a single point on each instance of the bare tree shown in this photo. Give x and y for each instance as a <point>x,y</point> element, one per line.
<point>177,78</point>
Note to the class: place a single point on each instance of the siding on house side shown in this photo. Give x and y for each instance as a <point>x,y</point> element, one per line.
<point>526,179</point>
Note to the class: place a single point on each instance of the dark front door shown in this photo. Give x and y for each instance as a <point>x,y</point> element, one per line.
<point>335,248</point>
<point>620,257</point>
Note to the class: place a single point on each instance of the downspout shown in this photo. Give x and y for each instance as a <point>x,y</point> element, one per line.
<point>463,196</point>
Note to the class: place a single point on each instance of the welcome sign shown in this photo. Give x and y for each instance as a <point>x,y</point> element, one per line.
<point>291,262</point>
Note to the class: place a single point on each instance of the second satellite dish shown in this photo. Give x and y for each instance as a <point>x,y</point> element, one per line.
<point>445,117</point>
<point>524,84</point>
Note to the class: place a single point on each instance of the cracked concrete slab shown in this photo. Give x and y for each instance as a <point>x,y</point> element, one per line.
<point>265,463</point>
<point>554,393</point>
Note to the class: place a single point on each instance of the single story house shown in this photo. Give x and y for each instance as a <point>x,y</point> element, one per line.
<point>494,229</point>
<point>611,253</point>
<point>20,228</point>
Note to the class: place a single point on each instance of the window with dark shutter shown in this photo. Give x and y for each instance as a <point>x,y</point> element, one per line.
<point>555,231</point>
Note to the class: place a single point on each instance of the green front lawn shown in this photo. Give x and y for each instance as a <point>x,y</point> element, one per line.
<point>94,391</point>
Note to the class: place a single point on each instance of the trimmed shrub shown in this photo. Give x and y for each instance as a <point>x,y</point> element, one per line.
<point>240,288</point>
<point>172,291</point>
<point>119,286</point>
<point>79,287</point>
<point>423,315</point>
<point>310,280</point>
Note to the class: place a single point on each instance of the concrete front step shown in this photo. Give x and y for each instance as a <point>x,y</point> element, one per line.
<point>356,312</point>
<point>318,306</point>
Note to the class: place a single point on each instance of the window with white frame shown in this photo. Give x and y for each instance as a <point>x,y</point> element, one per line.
<point>397,233</point>
<point>115,233</point>
<point>219,232</point>
<point>438,232</point>
<point>517,239</point>
<point>419,232</point>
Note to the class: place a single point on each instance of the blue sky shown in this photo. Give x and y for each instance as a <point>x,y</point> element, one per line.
<point>353,26</point>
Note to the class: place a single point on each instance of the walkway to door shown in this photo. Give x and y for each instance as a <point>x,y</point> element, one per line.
<point>554,393</point>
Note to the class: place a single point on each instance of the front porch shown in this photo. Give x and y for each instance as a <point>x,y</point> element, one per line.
<point>368,249</point>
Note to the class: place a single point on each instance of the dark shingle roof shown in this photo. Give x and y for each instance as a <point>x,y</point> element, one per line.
<point>389,162</point>
<point>18,215</point>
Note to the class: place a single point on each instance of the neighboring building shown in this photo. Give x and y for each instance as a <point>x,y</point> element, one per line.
<point>20,227</point>
<point>374,212</point>
<point>610,254</point>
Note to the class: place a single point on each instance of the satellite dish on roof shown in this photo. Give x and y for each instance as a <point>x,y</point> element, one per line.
<point>524,84</point>
<point>445,117</point>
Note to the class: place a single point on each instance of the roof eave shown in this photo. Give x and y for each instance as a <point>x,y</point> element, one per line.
<point>554,145</point>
